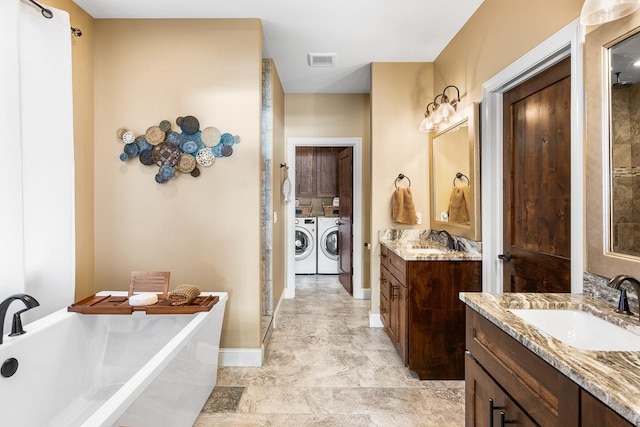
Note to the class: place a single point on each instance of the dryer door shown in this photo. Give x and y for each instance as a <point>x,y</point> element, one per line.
<point>304,243</point>
<point>329,243</point>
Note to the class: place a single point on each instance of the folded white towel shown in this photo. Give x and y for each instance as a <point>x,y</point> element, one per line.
<point>143,299</point>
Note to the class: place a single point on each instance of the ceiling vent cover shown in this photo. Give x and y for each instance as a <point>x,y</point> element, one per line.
<point>322,59</point>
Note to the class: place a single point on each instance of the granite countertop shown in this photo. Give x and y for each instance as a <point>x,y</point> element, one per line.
<point>401,242</point>
<point>612,377</point>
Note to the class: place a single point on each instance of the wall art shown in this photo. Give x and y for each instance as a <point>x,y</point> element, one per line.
<point>176,152</point>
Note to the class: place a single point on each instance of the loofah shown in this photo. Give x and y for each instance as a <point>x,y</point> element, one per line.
<point>183,294</point>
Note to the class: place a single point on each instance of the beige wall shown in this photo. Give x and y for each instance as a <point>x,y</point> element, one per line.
<point>82,69</point>
<point>399,95</point>
<point>205,230</point>
<point>500,32</point>
<point>334,116</point>
<point>277,174</point>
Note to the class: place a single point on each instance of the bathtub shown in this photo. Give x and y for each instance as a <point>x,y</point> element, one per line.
<point>112,370</point>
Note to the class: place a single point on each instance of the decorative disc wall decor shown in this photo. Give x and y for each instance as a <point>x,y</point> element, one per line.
<point>177,152</point>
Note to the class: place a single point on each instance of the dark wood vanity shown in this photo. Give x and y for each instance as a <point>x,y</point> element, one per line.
<point>507,383</point>
<point>422,314</point>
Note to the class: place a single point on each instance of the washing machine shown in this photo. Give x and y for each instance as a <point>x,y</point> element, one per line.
<point>305,241</point>
<point>328,245</point>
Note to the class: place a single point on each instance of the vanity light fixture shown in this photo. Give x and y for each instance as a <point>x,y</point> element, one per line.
<point>443,111</point>
<point>595,12</point>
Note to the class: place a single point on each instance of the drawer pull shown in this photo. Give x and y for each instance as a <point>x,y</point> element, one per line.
<point>503,421</point>
<point>393,292</point>
<point>491,409</point>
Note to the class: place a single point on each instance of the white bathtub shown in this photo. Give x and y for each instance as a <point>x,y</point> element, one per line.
<point>112,370</point>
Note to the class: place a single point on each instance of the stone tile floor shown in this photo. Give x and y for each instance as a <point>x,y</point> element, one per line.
<point>324,366</point>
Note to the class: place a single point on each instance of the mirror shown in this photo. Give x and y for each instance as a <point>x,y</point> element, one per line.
<point>455,178</point>
<point>612,92</point>
<point>624,153</point>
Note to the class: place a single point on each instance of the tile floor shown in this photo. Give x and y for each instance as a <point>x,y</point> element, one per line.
<point>325,366</point>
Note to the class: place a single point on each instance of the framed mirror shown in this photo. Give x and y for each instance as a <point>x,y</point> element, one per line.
<point>455,177</point>
<point>612,82</point>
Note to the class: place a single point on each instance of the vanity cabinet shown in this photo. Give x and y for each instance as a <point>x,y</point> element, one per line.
<point>422,314</point>
<point>316,171</point>
<point>596,413</point>
<point>522,385</point>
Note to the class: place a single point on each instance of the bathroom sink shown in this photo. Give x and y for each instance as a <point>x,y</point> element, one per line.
<point>580,329</point>
<point>426,251</point>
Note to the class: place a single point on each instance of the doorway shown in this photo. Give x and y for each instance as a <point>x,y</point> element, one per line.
<point>356,144</point>
<point>568,42</point>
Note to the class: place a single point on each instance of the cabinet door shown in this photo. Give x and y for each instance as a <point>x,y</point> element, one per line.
<point>326,172</point>
<point>437,316</point>
<point>486,403</point>
<point>393,309</point>
<point>305,171</point>
<point>595,413</point>
<point>384,298</point>
<point>402,335</point>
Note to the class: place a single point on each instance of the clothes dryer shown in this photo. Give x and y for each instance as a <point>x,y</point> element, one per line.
<point>328,245</point>
<point>305,244</point>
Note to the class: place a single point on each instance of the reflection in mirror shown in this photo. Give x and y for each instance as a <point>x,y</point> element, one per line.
<point>450,175</point>
<point>625,146</point>
<point>455,186</point>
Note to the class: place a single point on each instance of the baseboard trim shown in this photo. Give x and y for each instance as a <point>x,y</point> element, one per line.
<point>274,322</point>
<point>245,357</point>
<point>362,294</point>
<point>375,321</point>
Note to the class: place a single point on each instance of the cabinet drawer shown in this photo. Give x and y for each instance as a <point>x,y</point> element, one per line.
<point>549,397</point>
<point>486,401</point>
<point>392,262</point>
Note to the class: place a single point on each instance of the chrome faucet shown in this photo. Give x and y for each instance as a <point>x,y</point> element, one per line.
<point>16,327</point>
<point>450,242</point>
<point>623,305</point>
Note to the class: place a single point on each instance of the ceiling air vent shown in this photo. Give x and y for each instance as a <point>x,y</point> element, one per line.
<point>322,59</point>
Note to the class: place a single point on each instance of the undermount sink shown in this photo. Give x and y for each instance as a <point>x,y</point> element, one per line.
<point>426,251</point>
<point>580,329</point>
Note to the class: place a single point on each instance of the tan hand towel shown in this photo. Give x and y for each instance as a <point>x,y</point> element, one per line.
<point>459,205</point>
<point>402,208</point>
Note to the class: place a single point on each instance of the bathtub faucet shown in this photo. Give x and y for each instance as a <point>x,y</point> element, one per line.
<point>16,327</point>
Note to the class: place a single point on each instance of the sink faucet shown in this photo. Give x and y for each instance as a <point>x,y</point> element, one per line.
<point>450,242</point>
<point>16,327</point>
<point>623,305</point>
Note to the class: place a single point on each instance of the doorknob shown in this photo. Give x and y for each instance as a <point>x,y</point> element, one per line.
<point>338,222</point>
<point>505,256</point>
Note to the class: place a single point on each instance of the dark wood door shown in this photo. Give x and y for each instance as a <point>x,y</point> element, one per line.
<point>345,235</point>
<point>537,183</point>
<point>305,171</point>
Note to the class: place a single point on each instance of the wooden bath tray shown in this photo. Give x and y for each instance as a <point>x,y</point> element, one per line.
<point>107,304</point>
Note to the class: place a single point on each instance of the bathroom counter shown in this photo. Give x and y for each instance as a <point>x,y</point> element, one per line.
<point>612,377</point>
<point>401,242</point>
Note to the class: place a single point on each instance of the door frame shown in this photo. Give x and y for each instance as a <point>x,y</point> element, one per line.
<point>356,144</point>
<point>568,41</point>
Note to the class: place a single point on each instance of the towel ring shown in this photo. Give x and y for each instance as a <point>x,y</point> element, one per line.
<point>460,175</point>
<point>400,178</point>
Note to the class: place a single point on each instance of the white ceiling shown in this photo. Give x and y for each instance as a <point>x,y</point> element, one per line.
<point>358,31</point>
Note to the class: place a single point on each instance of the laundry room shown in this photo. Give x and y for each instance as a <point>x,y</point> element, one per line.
<point>317,209</point>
